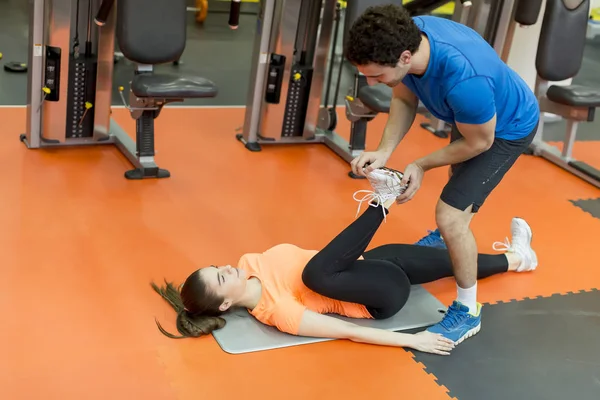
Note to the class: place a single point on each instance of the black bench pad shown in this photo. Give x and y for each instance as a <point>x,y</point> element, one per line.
<point>167,86</point>
<point>574,95</point>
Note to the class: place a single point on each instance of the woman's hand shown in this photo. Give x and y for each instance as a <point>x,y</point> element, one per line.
<point>435,343</point>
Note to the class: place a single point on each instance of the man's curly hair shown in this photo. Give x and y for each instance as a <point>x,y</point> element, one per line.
<point>380,35</point>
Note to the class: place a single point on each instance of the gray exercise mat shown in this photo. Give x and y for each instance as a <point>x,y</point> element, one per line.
<point>244,334</point>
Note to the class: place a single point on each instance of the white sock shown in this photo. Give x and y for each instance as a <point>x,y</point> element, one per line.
<point>468,297</point>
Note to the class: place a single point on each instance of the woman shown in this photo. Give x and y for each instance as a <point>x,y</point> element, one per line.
<point>291,288</point>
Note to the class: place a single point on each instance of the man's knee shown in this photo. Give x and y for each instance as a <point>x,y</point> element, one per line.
<point>451,221</point>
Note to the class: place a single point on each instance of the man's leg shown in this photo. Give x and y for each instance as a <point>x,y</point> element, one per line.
<point>434,237</point>
<point>469,186</point>
<point>454,225</point>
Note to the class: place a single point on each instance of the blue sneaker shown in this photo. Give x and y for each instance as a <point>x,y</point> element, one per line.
<point>458,323</point>
<point>434,239</point>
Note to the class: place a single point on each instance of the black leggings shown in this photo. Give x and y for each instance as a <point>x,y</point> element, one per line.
<point>381,281</point>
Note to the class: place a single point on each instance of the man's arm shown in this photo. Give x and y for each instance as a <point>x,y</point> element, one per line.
<point>476,139</point>
<point>472,102</point>
<point>403,109</point>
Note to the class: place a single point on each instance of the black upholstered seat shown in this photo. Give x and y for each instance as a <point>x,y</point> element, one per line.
<point>574,95</point>
<point>377,98</point>
<point>166,86</point>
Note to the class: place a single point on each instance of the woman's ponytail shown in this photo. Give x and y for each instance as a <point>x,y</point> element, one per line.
<point>191,324</point>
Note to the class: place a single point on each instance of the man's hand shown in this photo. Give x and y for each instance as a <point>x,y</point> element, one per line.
<point>413,176</point>
<point>375,159</point>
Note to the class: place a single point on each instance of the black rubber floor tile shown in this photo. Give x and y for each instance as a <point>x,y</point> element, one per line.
<point>543,348</point>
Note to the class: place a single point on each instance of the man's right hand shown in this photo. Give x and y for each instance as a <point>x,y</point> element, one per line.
<point>369,160</point>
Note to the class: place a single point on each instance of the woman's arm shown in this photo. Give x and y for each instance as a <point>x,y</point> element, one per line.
<point>318,325</point>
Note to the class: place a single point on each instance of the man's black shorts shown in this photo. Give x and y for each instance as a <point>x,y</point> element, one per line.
<point>473,180</point>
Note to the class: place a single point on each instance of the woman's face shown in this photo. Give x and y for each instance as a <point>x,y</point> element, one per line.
<point>226,281</point>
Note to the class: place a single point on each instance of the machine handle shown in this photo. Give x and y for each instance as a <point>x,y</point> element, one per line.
<point>103,12</point>
<point>234,14</point>
<point>527,12</point>
<point>466,3</point>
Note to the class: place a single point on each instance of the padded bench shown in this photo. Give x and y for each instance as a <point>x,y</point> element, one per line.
<point>559,57</point>
<point>170,87</point>
<point>574,95</point>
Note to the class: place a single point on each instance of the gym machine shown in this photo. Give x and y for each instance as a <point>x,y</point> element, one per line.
<point>287,75</point>
<point>559,57</point>
<point>70,80</point>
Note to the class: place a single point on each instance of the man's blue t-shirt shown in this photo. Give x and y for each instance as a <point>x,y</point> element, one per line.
<point>467,82</point>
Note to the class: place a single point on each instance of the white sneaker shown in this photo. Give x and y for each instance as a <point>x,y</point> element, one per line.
<point>386,184</point>
<point>521,245</point>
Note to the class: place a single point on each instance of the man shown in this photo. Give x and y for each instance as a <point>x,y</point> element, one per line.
<point>459,77</point>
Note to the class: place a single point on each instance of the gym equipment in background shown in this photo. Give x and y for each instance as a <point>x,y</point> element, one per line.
<point>559,57</point>
<point>287,75</point>
<point>13,66</point>
<point>69,85</point>
<point>290,53</point>
<point>242,333</point>
<point>201,8</point>
<point>328,113</point>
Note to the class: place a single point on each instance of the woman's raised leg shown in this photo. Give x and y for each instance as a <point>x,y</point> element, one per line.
<point>350,244</point>
<point>336,271</point>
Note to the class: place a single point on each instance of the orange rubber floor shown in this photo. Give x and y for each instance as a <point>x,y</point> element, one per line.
<point>80,245</point>
<point>588,152</point>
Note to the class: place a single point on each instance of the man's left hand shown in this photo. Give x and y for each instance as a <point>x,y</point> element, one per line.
<point>413,176</point>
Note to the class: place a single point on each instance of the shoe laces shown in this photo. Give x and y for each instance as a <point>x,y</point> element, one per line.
<point>503,246</point>
<point>452,318</point>
<point>513,248</point>
<point>371,197</point>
